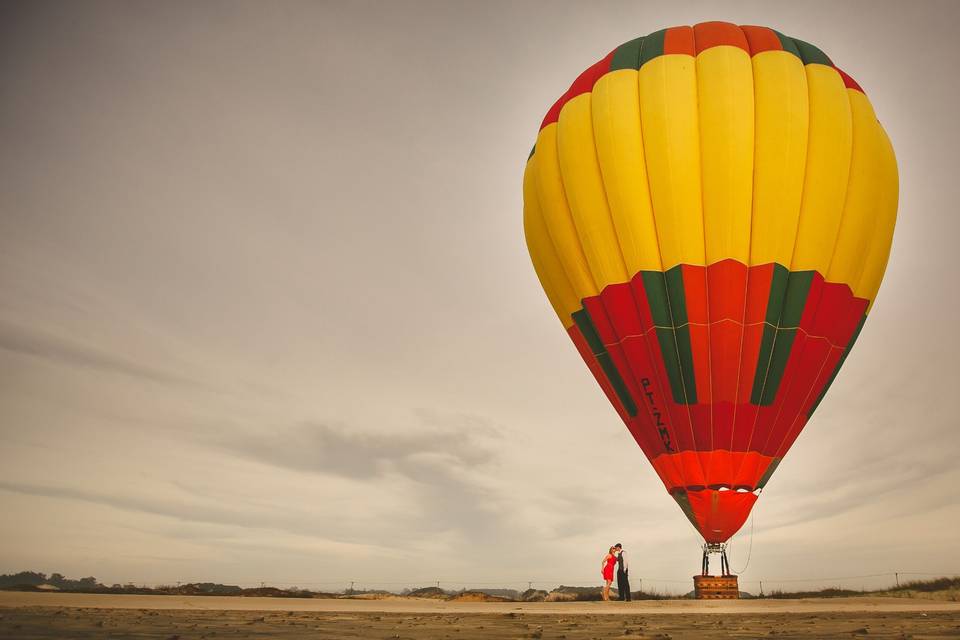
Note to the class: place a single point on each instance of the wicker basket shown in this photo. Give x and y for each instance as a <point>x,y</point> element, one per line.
<point>716,587</point>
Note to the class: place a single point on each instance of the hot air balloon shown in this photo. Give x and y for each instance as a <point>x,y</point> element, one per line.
<point>710,211</point>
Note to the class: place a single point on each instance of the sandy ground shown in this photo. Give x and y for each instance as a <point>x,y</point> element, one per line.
<point>58,615</point>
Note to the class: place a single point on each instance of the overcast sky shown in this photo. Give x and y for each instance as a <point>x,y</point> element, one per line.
<point>266,312</point>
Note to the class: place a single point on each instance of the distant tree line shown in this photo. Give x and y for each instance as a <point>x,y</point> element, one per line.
<point>35,579</point>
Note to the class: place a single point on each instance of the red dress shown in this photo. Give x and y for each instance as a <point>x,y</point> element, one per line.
<point>608,568</point>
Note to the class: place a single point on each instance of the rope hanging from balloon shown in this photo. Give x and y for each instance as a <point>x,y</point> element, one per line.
<point>750,548</point>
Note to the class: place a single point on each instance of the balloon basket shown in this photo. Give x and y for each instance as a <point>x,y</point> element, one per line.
<point>716,588</point>
<point>722,587</point>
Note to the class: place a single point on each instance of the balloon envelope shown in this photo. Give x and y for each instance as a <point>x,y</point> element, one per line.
<point>710,210</point>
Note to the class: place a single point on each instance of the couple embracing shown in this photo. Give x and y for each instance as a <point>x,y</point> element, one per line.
<point>616,556</point>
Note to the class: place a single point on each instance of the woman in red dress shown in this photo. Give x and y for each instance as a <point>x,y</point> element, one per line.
<point>606,570</point>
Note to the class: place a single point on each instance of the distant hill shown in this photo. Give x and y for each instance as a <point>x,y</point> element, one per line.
<point>429,592</point>
<point>534,595</point>
<point>479,596</point>
<point>509,594</point>
<point>35,579</point>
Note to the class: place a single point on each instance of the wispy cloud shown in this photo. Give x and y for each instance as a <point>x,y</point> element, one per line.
<point>447,464</point>
<point>322,448</point>
<point>179,509</point>
<point>190,510</point>
<point>444,481</point>
<point>62,350</point>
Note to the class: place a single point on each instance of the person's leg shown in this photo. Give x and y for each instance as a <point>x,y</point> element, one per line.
<point>621,578</point>
<point>626,588</point>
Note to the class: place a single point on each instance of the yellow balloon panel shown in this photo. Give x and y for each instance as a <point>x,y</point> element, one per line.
<point>671,143</point>
<point>556,214</point>
<point>544,255</point>
<point>725,98</point>
<point>887,196</point>
<point>829,145</point>
<point>866,219</point>
<point>780,153</point>
<point>585,192</point>
<point>616,127</point>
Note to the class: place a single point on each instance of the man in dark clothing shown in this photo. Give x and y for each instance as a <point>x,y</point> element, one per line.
<point>623,574</point>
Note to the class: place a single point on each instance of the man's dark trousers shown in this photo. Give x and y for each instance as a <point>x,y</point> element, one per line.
<point>623,585</point>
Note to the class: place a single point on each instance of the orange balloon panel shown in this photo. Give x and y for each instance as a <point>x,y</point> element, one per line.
<point>710,210</point>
